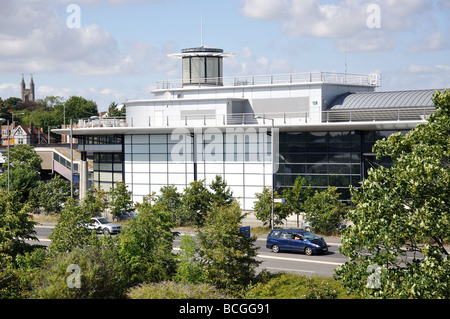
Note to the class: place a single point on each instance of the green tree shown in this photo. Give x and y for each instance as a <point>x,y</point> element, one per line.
<point>196,202</point>
<point>229,256</point>
<point>24,174</point>
<point>24,156</point>
<point>95,201</point>
<point>78,107</point>
<point>101,275</point>
<point>16,226</point>
<point>146,245</point>
<point>114,111</point>
<point>71,231</point>
<point>120,199</point>
<point>296,196</point>
<point>263,208</point>
<point>171,200</point>
<point>51,195</point>
<point>401,216</point>
<point>11,103</point>
<point>190,266</point>
<point>221,194</point>
<point>324,210</point>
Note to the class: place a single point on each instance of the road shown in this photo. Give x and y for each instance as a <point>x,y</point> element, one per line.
<point>299,263</point>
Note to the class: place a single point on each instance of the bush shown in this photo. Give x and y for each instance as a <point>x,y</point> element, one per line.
<point>145,245</point>
<point>229,257</point>
<point>174,290</point>
<point>325,211</point>
<point>101,275</point>
<point>190,268</point>
<point>292,286</point>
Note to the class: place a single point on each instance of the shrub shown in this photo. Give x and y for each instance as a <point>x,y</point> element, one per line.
<point>190,268</point>
<point>145,246</point>
<point>292,286</point>
<point>229,257</point>
<point>101,275</point>
<point>174,290</point>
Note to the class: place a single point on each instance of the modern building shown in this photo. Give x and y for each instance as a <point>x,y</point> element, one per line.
<point>255,131</point>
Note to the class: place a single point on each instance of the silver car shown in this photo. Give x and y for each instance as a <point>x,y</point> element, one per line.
<point>104,226</point>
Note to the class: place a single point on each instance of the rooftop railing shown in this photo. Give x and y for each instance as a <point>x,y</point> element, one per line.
<point>364,115</point>
<point>279,118</point>
<point>370,80</point>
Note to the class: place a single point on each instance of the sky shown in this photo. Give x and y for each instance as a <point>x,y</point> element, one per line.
<point>116,50</point>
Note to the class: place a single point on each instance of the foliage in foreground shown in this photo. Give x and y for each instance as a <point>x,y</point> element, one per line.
<point>101,274</point>
<point>403,211</point>
<point>293,286</point>
<point>229,257</point>
<point>175,290</point>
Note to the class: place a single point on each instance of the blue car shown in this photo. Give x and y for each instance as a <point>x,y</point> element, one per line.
<point>295,239</point>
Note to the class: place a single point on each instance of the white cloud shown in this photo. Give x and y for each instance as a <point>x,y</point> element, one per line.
<point>341,19</point>
<point>250,64</point>
<point>9,89</point>
<point>426,69</point>
<point>431,42</point>
<point>36,39</point>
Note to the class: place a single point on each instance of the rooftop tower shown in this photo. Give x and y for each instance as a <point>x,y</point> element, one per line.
<point>202,66</point>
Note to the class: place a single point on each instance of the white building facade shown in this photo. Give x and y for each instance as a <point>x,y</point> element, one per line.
<point>206,125</point>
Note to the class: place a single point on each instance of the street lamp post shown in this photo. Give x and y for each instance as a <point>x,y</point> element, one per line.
<point>7,123</point>
<point>272,156</point>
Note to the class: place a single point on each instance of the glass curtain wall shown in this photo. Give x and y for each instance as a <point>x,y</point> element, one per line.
<point>338,159</point>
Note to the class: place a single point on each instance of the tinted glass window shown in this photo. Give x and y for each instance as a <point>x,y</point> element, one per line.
<point>275,234</point>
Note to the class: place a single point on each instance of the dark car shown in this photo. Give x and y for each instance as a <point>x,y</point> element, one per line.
<point>125,215</point>
<point>296,239</point>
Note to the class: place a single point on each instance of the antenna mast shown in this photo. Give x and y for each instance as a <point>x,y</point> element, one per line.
<point>201,28</point>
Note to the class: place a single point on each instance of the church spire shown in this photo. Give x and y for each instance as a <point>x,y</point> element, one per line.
<point>27,94</point>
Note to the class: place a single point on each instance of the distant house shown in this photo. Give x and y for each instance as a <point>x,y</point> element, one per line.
<point>23,134</point>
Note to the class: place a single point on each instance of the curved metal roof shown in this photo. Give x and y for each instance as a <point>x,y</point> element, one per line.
<point>394,99</point>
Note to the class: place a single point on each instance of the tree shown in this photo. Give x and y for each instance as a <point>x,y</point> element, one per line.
<point>115,111</point>
<point>24,156</point>
<point>190,266</point>
<point>221,194</point>
<point>120,199</point>
<point>78,107</point>
<point>101,276</point>
<point>401,212</point>
<point>263,208</point>
<point>296,196</point>
<point>196,202</point>
<point>229,256</point>
<point>71,232</point>
<point>171,200</point>
<point>16,226</point>
<point>24,175</point>
<point>145,246</point>
<point>95,200</point>
<point>324,210</point>
<point>51,195</point>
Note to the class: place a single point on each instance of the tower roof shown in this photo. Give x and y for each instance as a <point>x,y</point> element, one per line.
<point>202,51</point>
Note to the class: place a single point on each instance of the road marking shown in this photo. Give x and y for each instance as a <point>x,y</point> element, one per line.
<point>302,260</point>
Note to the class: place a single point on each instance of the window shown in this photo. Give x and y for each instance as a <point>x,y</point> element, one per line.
<point>108,169</point>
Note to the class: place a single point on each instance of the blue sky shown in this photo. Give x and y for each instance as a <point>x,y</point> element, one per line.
<point>119,50</point>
